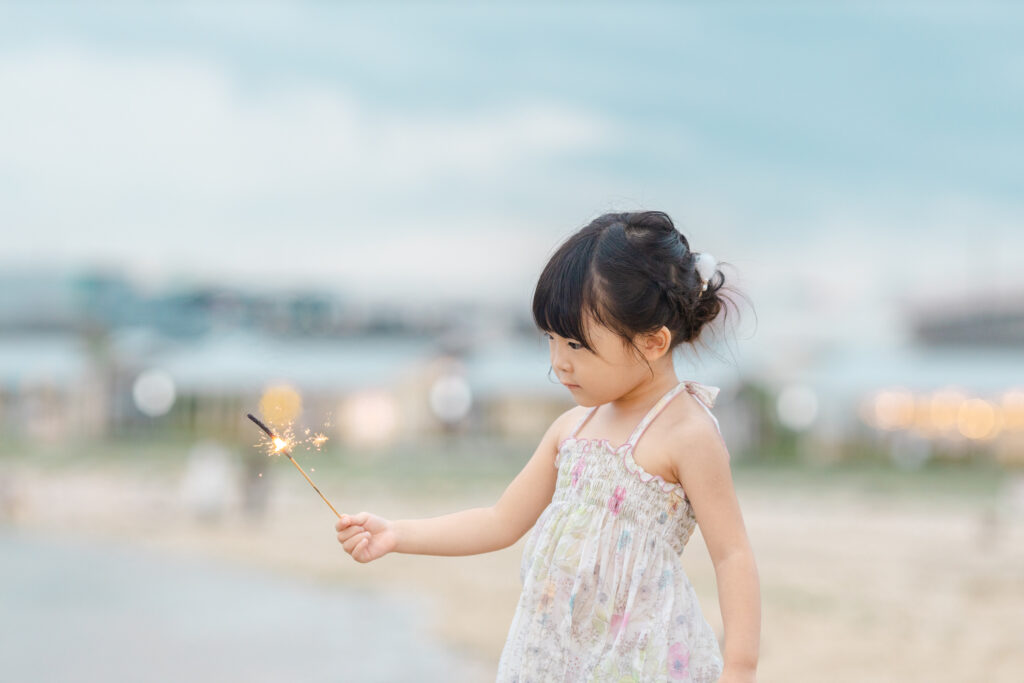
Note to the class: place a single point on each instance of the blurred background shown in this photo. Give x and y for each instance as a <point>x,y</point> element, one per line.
<point>333,215</point>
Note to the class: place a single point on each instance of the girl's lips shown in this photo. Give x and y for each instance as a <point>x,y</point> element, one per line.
<point>572,386</point>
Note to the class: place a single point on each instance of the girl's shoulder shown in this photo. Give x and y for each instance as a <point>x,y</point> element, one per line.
<point>687,415</point>
<point>567,421</point>
<point>681,431</point>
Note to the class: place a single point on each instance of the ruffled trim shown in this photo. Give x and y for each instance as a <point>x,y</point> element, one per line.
<point>643,475</point>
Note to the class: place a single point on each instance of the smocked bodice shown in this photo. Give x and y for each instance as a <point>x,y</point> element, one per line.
<point>591,473</point>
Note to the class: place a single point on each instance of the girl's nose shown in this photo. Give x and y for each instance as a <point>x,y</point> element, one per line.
<point>559,363</point>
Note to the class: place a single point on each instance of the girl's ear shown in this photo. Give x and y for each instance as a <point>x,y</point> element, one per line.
<point>655,344</point>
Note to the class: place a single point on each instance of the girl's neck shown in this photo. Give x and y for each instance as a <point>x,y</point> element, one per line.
<point>640,399</point>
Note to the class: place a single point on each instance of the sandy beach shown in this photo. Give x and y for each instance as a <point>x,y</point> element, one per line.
<point>855,586</point>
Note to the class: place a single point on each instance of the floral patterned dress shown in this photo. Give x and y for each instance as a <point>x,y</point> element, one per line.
<point>604,594</point>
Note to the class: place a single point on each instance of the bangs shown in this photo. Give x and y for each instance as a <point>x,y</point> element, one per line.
<point>565,293</point>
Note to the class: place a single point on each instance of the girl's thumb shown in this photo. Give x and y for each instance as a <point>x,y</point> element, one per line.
<point>362,517</point>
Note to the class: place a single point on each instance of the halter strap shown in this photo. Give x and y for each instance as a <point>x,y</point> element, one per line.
<point>654,411</point>
<point>580,422</point>
<point>705,395</point>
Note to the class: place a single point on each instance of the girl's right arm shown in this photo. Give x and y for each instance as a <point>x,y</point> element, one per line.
<point>478,530</point>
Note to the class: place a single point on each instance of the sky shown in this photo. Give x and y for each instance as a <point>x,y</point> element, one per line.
<point>843,158</point>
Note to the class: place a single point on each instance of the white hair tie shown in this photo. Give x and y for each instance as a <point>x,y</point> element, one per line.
<point>706,266</point>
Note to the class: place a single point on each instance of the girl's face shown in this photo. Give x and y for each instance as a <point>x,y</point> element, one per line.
<point>601,377</point>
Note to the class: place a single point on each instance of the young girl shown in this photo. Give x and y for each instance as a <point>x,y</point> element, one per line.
<point>605,596</point>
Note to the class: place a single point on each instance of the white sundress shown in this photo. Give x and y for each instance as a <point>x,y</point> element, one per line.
<point>605,597</point>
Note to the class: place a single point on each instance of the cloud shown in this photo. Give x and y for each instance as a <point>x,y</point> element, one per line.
<point>109,133</point>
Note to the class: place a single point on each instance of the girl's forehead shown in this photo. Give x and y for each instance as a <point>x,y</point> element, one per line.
<point>597,332</point>
<point>593,326</point>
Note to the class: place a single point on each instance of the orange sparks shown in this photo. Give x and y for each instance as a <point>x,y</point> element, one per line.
<point>284,443</point>
<point>286,439</point>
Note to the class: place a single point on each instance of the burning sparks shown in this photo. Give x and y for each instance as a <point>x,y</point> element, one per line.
<point>288,441</point>
<point>283,444</point>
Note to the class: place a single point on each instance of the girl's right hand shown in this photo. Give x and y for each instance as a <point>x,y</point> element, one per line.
<point>366,536</point>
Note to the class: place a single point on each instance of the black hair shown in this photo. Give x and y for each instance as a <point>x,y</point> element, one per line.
<point>632,273</point>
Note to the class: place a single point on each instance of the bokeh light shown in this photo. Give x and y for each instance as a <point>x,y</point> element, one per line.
<point>891,409</point>
<point>280,405</point>
<point>797,406</point>
<point>978,419</point>
<point>368,418</point>
<point>1012,405</point>
<point>451,397</point>
<point>153,392</point>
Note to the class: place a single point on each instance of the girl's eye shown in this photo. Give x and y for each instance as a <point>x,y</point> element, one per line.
<point>575,346</point>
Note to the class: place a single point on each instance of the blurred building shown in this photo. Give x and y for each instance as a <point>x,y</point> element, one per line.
<point>88,355</point>
<point>50,388</point>
<point>954,389</point>
<point>978,322</point>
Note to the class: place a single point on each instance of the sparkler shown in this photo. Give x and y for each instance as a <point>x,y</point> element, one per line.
<point>282,446</point>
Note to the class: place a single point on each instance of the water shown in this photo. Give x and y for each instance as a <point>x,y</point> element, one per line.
<point>72,610</point>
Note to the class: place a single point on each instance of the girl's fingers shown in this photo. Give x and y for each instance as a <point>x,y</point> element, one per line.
<point>350,532</point>
<point>346,521</point>
<point>352,543</point>
<point>353,535</point>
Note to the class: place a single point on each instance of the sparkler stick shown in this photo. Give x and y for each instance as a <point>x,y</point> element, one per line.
<point>282,447</point>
